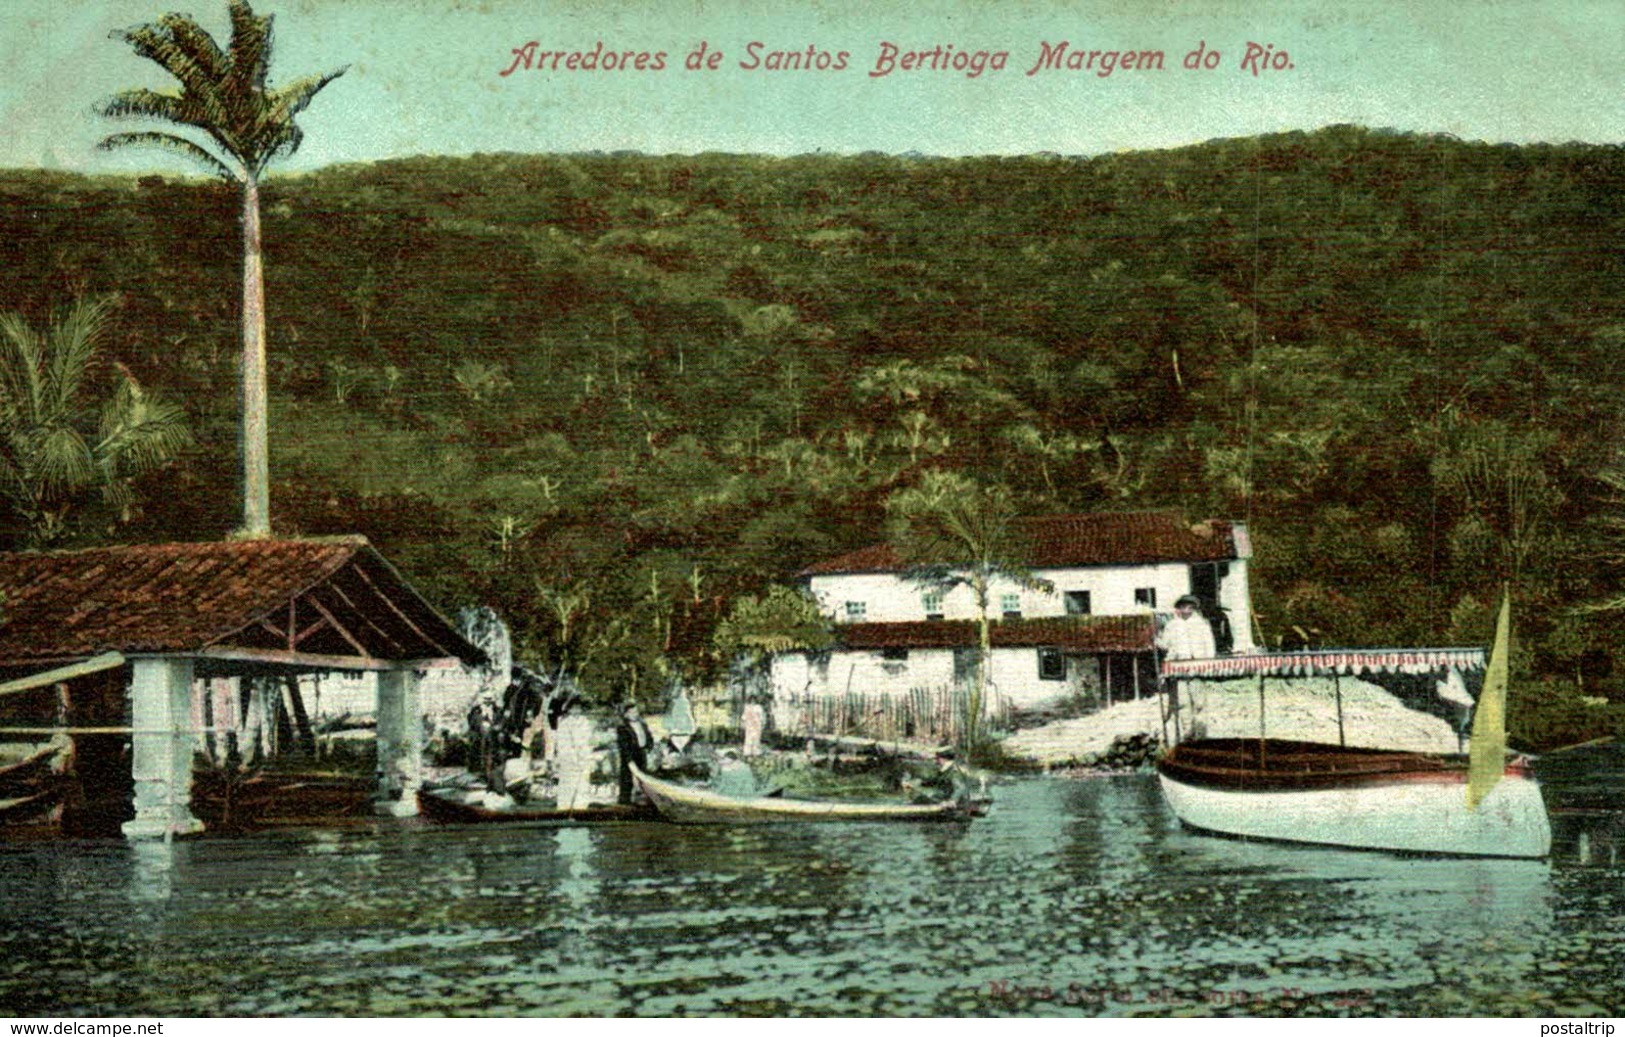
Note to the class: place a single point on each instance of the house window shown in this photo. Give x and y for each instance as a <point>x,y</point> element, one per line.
<point>932,600</point>
<point>856,611</point>
<point>1051,665</point>
<point>1146,596</point>
<point>894,655</point>
<point>1077,603</point>
<point>1010,605</point>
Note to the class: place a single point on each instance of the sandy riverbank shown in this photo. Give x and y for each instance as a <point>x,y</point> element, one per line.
<point>1305,710</point>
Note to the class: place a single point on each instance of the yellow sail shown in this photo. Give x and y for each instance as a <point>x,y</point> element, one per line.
<point>1488,749</point>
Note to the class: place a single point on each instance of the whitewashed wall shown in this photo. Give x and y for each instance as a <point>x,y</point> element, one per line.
<point>1236,597</point>
<point>1014,673</point>
<point>888,598</point>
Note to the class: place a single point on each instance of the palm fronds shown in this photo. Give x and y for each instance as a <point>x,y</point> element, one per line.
<point>223,93</point>
<point>58,441</point>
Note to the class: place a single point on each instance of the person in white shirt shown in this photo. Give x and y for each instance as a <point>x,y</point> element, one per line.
<point>575,757</point>
<point>1187,634</point>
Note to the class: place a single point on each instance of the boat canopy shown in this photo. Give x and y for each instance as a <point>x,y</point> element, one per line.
<point>1333,661</point>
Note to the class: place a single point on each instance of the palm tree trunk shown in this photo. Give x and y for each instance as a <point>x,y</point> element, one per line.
<point>973,719</point>
<point>256,450</point>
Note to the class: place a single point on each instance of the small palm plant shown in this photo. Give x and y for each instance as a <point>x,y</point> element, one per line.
<point>64,436</point>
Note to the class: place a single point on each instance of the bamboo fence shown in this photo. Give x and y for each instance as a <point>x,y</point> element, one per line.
<point>932,714</point>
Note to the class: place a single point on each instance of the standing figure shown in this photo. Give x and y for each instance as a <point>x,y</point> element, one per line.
<point>1187,635</point>
<point>574,739</point>
<point>680,726</point>
<point>753,719</point>
<point>484,735</point>
<point>632,743</point>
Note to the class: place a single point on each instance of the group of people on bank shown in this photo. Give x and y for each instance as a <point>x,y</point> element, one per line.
<point>540,742</point>
<point>541,734</point>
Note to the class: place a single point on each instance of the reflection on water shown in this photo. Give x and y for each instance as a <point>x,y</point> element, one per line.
<point>1074,896</point>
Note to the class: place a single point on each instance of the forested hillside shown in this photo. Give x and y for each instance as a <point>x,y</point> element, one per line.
<point>609,394</point>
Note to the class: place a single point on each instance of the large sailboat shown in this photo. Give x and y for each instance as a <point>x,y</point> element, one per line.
<point>1481,804</point>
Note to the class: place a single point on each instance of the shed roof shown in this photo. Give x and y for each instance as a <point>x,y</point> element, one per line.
<point>1131,633</point>
<point>1098,538</point>
<point>331,602</point>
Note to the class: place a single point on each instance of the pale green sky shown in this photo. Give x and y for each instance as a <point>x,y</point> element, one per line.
<point>424,76</point>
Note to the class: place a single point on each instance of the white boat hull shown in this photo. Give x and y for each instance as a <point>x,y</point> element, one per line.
<point>685,805</point>
<point>1427,816</point>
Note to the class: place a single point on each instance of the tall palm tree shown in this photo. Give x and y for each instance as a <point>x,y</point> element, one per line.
<point>950,530</point>
<point>62,437</point>
<point>244,124</point>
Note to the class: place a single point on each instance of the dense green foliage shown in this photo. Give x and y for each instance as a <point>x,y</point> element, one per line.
<point>608,394</point>
<point>73,432</point>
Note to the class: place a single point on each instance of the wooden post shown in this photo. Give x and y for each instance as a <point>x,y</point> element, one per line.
<point>301,720</point>
<point>1162,711</point>
<point>161,749</point>
<point>1173,686</point>
<point>1135,661</point>
<point>1108,681</point>
<point>1261,728</point>
<point>1337,688</point>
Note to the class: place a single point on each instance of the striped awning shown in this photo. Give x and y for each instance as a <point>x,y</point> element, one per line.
<point>1341,661</point>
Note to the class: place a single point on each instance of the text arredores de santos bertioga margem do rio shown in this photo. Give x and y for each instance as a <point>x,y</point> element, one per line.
<point>892,59</point>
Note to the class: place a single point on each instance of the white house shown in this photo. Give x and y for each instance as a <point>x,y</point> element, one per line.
<point>1112,577</point>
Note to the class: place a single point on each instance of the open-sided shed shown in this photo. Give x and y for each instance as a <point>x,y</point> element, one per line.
<point>170,613</point>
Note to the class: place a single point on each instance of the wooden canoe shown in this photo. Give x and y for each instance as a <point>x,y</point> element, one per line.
<point>692,806</point>
<point>446,805</point>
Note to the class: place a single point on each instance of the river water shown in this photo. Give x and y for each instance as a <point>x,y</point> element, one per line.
<point>1075,896</point>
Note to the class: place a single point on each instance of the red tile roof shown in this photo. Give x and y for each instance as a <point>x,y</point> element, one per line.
<point>182,598</point>
<point>1099,538</point>
<point>1134,633</point>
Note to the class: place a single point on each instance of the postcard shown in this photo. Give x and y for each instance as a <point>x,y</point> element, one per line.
<point>522,508</point>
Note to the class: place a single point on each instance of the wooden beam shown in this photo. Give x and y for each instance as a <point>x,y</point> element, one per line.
<point>95,664</point>
<point>308,661</point>
<point>404,618</point>
<point>279,634</point>
<point>339,627</point>
<point>321,621</point>
<point>360,612</point>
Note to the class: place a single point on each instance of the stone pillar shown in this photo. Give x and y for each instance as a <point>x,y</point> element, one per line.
<point>400,743</point>
<point>161,761</point>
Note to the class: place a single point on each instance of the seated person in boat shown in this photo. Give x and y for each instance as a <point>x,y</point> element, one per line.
<point>947,782</point>
<point>733,776</point>
<point>1187,634</point>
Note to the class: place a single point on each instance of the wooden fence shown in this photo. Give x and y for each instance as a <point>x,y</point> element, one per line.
<point>935,714</point>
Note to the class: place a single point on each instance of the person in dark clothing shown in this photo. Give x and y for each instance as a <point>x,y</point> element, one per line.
<point>485,740</point>
<point>524,698</point>
<point>1224,638</point>
<point>632,743</point>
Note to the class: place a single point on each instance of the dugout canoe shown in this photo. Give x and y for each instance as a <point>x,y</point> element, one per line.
<point>684,804</point>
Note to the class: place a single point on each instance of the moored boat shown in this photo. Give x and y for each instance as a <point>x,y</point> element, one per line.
<point>452,806</point>
<point>695,806</point>
<point>1363,798</point>
<point>1478,805</point>
<point>33,787</point>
